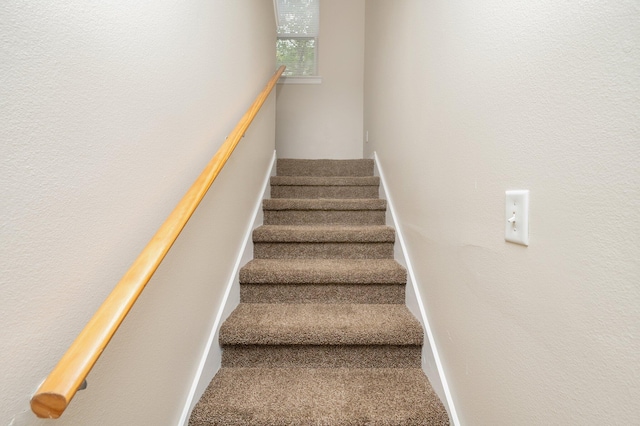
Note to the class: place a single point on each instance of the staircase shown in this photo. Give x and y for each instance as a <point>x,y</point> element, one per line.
<point>321,335</point>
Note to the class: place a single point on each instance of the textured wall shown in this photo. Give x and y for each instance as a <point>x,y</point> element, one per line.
<point>109,111</point>
<point>464,100</point>
<point>325,120</point>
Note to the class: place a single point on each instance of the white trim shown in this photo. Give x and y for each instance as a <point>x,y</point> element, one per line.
<point>300,80</point>
<point>275,12</point>
<point>416,293</point>
<point>212,353</point>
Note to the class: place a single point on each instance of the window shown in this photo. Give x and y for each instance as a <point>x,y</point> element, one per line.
<point>297,44</point>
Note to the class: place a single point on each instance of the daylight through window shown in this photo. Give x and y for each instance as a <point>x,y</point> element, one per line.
<point>297,45</point>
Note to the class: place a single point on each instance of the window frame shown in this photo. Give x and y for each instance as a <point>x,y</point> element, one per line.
<point>301,79</point>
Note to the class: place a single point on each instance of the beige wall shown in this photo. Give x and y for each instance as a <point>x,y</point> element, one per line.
<point>109,113</point>
<point>325,120</point>
<point>464,100</point>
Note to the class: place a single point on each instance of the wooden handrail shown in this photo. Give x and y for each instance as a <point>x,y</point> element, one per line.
<point>55,393</point>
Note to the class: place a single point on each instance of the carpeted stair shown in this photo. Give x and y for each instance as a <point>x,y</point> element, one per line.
<point>321,335</point>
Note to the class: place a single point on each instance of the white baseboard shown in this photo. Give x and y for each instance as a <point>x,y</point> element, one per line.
<point>210,360</point>
<point>430,357</point>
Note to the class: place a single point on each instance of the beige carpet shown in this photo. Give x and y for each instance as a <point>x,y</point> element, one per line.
<point>322,335</point>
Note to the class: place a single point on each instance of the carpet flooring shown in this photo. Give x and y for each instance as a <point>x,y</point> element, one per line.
<point>322,335</point>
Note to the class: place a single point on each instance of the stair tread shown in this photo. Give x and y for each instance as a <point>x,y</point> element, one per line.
<point>321,324</point>
<point>323,271</point>
<point>324,204</point>
<point>319,396</point>
<point>324,233</point>
<point>325,180</point>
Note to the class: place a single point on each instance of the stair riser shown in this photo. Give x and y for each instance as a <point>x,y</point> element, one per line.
<point>323,250</point>
<point>291,167</point>
<point>278,191</point>
<point>307,356</point>
<point>324,217</point>
<point>322,293</point>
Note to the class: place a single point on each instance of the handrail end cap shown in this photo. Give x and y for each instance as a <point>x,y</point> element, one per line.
<point>48,405</point>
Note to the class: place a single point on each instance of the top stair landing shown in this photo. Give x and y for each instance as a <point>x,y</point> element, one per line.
<point>296,167</point>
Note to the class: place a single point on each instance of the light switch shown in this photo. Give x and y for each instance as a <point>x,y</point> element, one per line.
<point>516,225</point>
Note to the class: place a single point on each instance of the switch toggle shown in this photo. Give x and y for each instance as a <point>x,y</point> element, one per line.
<point>516,228</point>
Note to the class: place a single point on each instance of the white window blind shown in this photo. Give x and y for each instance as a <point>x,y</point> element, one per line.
<point>297,45</point>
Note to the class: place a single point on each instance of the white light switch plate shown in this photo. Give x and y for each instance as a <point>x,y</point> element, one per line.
<point>516,222</point>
